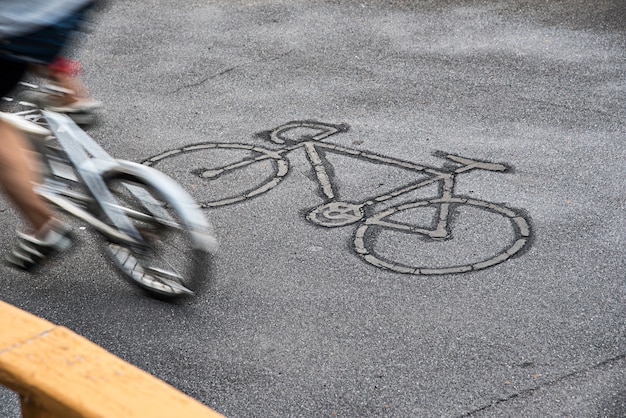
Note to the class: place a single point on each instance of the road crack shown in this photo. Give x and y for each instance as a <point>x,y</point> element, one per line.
<point>553,382</point>
<point>229,70</point>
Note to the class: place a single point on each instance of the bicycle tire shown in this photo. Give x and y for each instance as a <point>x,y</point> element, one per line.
<point>363,246</point>
<point>177,259</point>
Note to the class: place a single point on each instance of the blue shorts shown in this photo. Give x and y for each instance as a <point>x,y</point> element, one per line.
<point>43,45</point>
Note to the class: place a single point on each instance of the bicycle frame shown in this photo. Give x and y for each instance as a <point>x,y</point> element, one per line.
<point>336,213</point>
<point>156,234</point>
<point>447,179</point>
<point>91,163</point>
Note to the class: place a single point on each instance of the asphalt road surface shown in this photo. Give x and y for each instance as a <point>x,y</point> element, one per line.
<point>438,228</point>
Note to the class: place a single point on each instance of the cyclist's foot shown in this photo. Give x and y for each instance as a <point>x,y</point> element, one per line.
<point>32,250</point>
<point>82,111</point>
<point>78,106</point>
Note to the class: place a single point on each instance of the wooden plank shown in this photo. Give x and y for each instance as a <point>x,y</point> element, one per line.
<point>17,326</point>
<point>59,372</point>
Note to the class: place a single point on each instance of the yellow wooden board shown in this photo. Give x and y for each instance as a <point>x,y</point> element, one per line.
<point>67,375</point>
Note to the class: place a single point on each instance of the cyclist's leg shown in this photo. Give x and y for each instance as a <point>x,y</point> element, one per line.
<point>17,178</point>
<point>16,175</point>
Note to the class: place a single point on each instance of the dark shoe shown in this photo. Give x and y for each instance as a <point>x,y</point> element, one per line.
<point>30,251</point>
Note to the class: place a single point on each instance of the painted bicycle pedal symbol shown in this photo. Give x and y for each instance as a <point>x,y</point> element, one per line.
<point>443,234</point>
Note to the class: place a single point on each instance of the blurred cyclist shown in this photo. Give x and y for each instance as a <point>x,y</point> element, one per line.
<point>32,32</point>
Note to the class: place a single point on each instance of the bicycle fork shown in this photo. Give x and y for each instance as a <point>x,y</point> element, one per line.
<point>78,145</point>
<point>447,192</point>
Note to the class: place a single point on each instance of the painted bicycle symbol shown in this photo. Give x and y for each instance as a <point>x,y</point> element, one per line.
<point>444,234</point>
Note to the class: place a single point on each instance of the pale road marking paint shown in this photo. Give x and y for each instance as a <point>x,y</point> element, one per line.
<point>337,213</point>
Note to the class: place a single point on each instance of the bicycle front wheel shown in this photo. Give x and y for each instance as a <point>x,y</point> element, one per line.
<point>177,243</point>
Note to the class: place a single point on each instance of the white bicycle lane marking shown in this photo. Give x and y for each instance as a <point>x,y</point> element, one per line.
<point>337,213</point>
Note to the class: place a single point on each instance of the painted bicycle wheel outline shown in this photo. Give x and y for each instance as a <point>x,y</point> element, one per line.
<point>520,225</point>
<point>280,165</point>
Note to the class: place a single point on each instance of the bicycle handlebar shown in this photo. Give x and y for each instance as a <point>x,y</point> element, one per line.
<point>469,164</point>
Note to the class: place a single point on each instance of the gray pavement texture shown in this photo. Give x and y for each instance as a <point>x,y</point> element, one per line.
<point>297,323</point>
